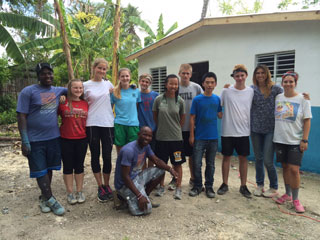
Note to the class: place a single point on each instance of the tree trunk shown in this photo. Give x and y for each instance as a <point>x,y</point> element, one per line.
<point>204,9</point>
<point>116,33</point>
<point>66,46</point>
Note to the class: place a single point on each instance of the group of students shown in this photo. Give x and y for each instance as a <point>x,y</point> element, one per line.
<point>182,120</point>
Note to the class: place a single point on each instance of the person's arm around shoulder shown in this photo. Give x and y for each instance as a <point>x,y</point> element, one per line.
<point>162,165</point>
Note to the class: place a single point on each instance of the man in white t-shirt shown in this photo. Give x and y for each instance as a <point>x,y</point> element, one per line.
<point>236,101</point>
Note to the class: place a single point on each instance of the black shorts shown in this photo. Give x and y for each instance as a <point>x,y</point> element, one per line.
<point>188,149</point>
<point>172,149</point>
<point>240,144</point>
<point>290,154</point>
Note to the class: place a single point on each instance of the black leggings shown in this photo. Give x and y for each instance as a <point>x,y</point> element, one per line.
<point>106,136</point>
<point>73,152</point>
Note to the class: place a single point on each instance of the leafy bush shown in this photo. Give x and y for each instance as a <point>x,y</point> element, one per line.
<point>8,110</point>
<point>8,117</point>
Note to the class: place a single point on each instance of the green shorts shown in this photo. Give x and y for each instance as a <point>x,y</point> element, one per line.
<point>124,134</point>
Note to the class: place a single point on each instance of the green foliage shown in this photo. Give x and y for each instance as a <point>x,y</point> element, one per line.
<point>4,71</point>
<point>8,110</point>
<point>232,7</point>
<point>305,4</point>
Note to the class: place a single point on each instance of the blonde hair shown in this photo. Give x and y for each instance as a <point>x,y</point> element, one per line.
<point>185,66</point>
<point>96,62</point>
<point>69,94</point>
<point>117,89</point>
<point>268,80</point>
<point>146,76</point>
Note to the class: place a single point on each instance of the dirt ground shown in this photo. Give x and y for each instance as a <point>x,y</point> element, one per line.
<point>225,217</point>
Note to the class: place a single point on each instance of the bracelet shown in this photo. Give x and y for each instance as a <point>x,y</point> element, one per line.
<point>139,196</point>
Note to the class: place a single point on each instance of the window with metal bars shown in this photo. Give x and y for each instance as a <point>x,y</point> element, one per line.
<point>159,75</point>
<point>278,63</point>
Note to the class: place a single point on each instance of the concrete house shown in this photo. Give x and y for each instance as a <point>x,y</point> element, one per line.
<point>283,41</point>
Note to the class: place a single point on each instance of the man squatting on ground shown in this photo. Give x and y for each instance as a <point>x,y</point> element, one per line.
<point>131,182</point>
<point>237,101</point>
<point>38,126</point>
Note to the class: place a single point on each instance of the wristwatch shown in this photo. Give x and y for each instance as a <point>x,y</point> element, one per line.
<point>304,140</point>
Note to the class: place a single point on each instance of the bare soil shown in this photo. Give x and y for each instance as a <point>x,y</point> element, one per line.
<point>230,216</point>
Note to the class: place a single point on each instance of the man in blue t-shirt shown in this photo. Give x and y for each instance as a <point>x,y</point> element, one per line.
<point>204,111</point>
<point>131,182</point>
<point>38,126</point>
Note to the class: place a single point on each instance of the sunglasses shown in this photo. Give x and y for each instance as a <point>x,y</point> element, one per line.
<point>289,74</point>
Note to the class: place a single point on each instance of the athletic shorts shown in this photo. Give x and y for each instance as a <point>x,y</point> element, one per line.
<point>170,149</point>
<point>44,156</point>
<point>240,144</point>
<point>290,154</point>
<point>140,182</point>
<point>124,134</point>
<point>188,149</point>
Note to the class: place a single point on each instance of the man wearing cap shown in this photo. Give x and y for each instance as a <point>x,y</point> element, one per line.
<point>38,126</point>
<point>236,101</point>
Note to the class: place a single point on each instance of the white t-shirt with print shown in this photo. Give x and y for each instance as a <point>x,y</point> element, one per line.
<point>98,97</point>
<point>236,116</point>
<point>289,118</point>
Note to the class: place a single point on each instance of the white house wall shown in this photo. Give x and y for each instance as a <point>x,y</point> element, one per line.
<point>226,45</point>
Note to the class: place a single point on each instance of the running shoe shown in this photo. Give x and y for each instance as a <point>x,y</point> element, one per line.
<point>80,197</point>
<point>109,192</point>
<point>194,192</point>
<point>71,199</point>
<point>177,194</point>
<point>298,206</point>
<point>270,193</point>
<point>223,189</point>
<point>245,191</point>
<point>283,199</point>
<point>172,184</point>
<point>102,194</point>
<point>43,206</point>
<point>160,191</point>
<point>55,206</point>
<point>258,192</point>
<point>210,193</point>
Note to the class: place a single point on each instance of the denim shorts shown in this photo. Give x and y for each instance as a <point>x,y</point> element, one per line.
<point>44,156</point>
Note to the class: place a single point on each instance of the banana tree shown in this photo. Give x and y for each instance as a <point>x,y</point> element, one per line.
<point>24,23</point>
<point>153,37</point>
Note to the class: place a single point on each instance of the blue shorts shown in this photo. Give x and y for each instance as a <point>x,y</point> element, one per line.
<point>44,156</point>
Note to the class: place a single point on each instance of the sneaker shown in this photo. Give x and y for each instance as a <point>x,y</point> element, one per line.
<point>283,199</point>
<point>245,191</point>
<point>194,192</point>
<point>298,206</point>
<point>43,206</point>
<point>80,197</point>
<point>210,193</point>
<point>270,193</point>
<point>108,190</point>
<point>191,182</point>
<point>172,184</point>
<point>177,194</point>
<point>71,199</point>
<point>102,194</point>
<point>160,191</point>
<point>153,204</point>
<point>223,189</point>
<point>55,206</point>
<point>258,192</point>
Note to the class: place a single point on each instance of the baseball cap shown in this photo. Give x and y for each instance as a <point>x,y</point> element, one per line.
<point>41,66</point>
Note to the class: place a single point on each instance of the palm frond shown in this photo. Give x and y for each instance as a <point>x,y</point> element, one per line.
<point>10,45</point>
<point>143,25</point>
